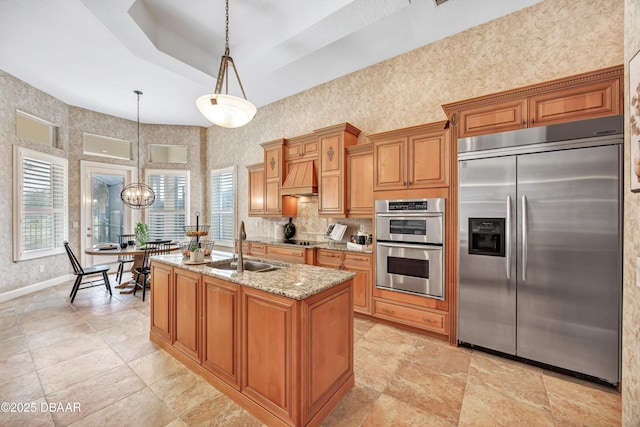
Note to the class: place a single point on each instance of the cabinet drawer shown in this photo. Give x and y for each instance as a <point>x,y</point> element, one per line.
<point>326,257</point>
<point>419,318</point>
<point>286,254</point>
<point>258,249</point>
<point>357,260</point>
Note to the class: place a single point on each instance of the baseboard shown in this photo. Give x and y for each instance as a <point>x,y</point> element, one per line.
<point>34,288</point>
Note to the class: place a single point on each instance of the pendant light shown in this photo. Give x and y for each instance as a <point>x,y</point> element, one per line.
<point>138,195</point>
<point>223,109</point>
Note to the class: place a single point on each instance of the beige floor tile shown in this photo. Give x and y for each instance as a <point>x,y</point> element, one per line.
<point>578,403</point>
<point>71,371</point>
<point>64,333</point>
<point>183,391</point>
<point>103,309</point>
<point>387,341</point>
<point>441,358</point>
<point>390,412</point>
<point>512,379</point>
<point>25,388</point>
<point>219,411</point>
<point>13,346</point>
<point>119,332</point>
<point>157,366</point>
<point>122,318</point>
<point>142,408</point>
<point>38,326</point>
<point>485,407</point>
<point>418,386</point>
<point>371,369</point>
<point>65,350</point>
<point>16,365</point>
<point>46,314</point>
<point>135,347</point>
<point>34,418</point>
<point>41,304</point>
<point>353,408</point>
<point>95,393</point>
<point>11,332</point>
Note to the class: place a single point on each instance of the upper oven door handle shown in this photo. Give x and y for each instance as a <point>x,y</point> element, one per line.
<point>409,245</point>
<point>411,214</point>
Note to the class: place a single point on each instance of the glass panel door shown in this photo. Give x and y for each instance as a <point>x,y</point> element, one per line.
<point>104,216</point>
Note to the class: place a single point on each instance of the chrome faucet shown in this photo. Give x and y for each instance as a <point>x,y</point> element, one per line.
<point>242,236</point>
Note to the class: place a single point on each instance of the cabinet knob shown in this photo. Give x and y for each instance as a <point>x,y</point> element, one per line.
<point>533,121</point>
<point>404,182</point>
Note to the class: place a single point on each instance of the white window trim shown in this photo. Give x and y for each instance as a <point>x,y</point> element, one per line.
<point>175,172</point>
<point>215,172</point>
<point>19,153</point>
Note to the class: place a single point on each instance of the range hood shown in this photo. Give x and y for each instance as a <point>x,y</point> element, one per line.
<point>302,180</point>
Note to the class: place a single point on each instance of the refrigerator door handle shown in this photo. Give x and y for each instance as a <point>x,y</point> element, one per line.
<point>524,238</point>
<point>507,261</point>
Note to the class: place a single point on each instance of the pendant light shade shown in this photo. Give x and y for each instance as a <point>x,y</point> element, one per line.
<point>138,195</point>
<point>223,109</point>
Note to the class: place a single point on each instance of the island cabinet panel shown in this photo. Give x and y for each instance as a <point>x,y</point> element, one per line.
<point>162,301</point>
<point>268,346</point>
<point>187,312</point>
<point>221,329</point>
<point>326,344</point>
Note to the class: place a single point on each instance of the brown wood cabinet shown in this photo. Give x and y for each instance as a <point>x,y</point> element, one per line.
<point>296,254</point>
<point>361,264</point>
<point>274,175</point>
<point>332,168</point>
<point>360,181</point>
<point>594,94</point>
<point>161,316</point>
<point>289,362</point>
<point>256,189</point>
<point>418,317</point>
<point>221,329</point>
<point>301,147</point>
<point>411,158</point>
<point>187,312</point>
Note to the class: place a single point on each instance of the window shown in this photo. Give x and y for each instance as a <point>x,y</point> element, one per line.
<point>166,216</point>
<point>40,204</point>
<point>223,183</point>
<point>104,146</point>
<point>35,129</point>
<point>167,153</point>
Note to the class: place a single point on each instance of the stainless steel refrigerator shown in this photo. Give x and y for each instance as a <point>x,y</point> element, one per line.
<point>540,244</point>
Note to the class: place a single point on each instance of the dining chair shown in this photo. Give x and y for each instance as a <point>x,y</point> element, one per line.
<point>124,259</point>
<point>143,272</point>
<point>80,272</point>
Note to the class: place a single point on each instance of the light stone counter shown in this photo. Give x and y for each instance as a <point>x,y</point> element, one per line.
<point>295,281</point>
<point>336,246</point>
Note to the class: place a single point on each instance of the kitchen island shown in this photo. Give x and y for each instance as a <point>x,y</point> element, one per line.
<point>279,342</point>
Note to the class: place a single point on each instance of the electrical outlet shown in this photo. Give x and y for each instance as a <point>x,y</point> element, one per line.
<point>42,269</point>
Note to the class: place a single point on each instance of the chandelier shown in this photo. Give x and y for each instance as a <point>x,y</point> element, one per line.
<point>138,195</point>
<point>223,109</point>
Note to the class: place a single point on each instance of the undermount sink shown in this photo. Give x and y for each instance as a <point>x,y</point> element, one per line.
<point>255,266</point>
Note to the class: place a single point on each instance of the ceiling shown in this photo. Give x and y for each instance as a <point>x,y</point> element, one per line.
<point>94,53</point>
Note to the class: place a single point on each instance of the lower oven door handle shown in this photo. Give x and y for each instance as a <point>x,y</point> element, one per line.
<point>405,214</point>
<point>409,245</point>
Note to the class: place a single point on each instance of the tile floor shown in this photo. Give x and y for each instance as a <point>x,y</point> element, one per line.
<point>96,354</point>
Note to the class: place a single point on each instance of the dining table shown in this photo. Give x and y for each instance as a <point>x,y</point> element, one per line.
<point>137,252</point>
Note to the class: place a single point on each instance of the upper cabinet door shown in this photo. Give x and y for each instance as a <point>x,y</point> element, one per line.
<point>428,160</point>
<point>499,117</point>
<point>389,157</point>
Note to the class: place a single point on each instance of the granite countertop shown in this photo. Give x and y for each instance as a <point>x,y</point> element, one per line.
<point>296,281</point>
<point>337,246</point>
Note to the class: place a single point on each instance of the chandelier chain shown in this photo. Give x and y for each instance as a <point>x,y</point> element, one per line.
<point>138,93</point>
<point>226,23</point>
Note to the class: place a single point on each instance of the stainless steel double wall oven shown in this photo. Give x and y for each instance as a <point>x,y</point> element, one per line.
<point>410,246</point>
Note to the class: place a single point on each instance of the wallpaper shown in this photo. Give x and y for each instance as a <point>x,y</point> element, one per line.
<point>631,292</point>
<point>552,39</point>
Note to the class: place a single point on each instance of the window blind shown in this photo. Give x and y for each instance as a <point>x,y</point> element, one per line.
<point>167,215</point>
<point>222,206</point>
<point>41,201</point>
